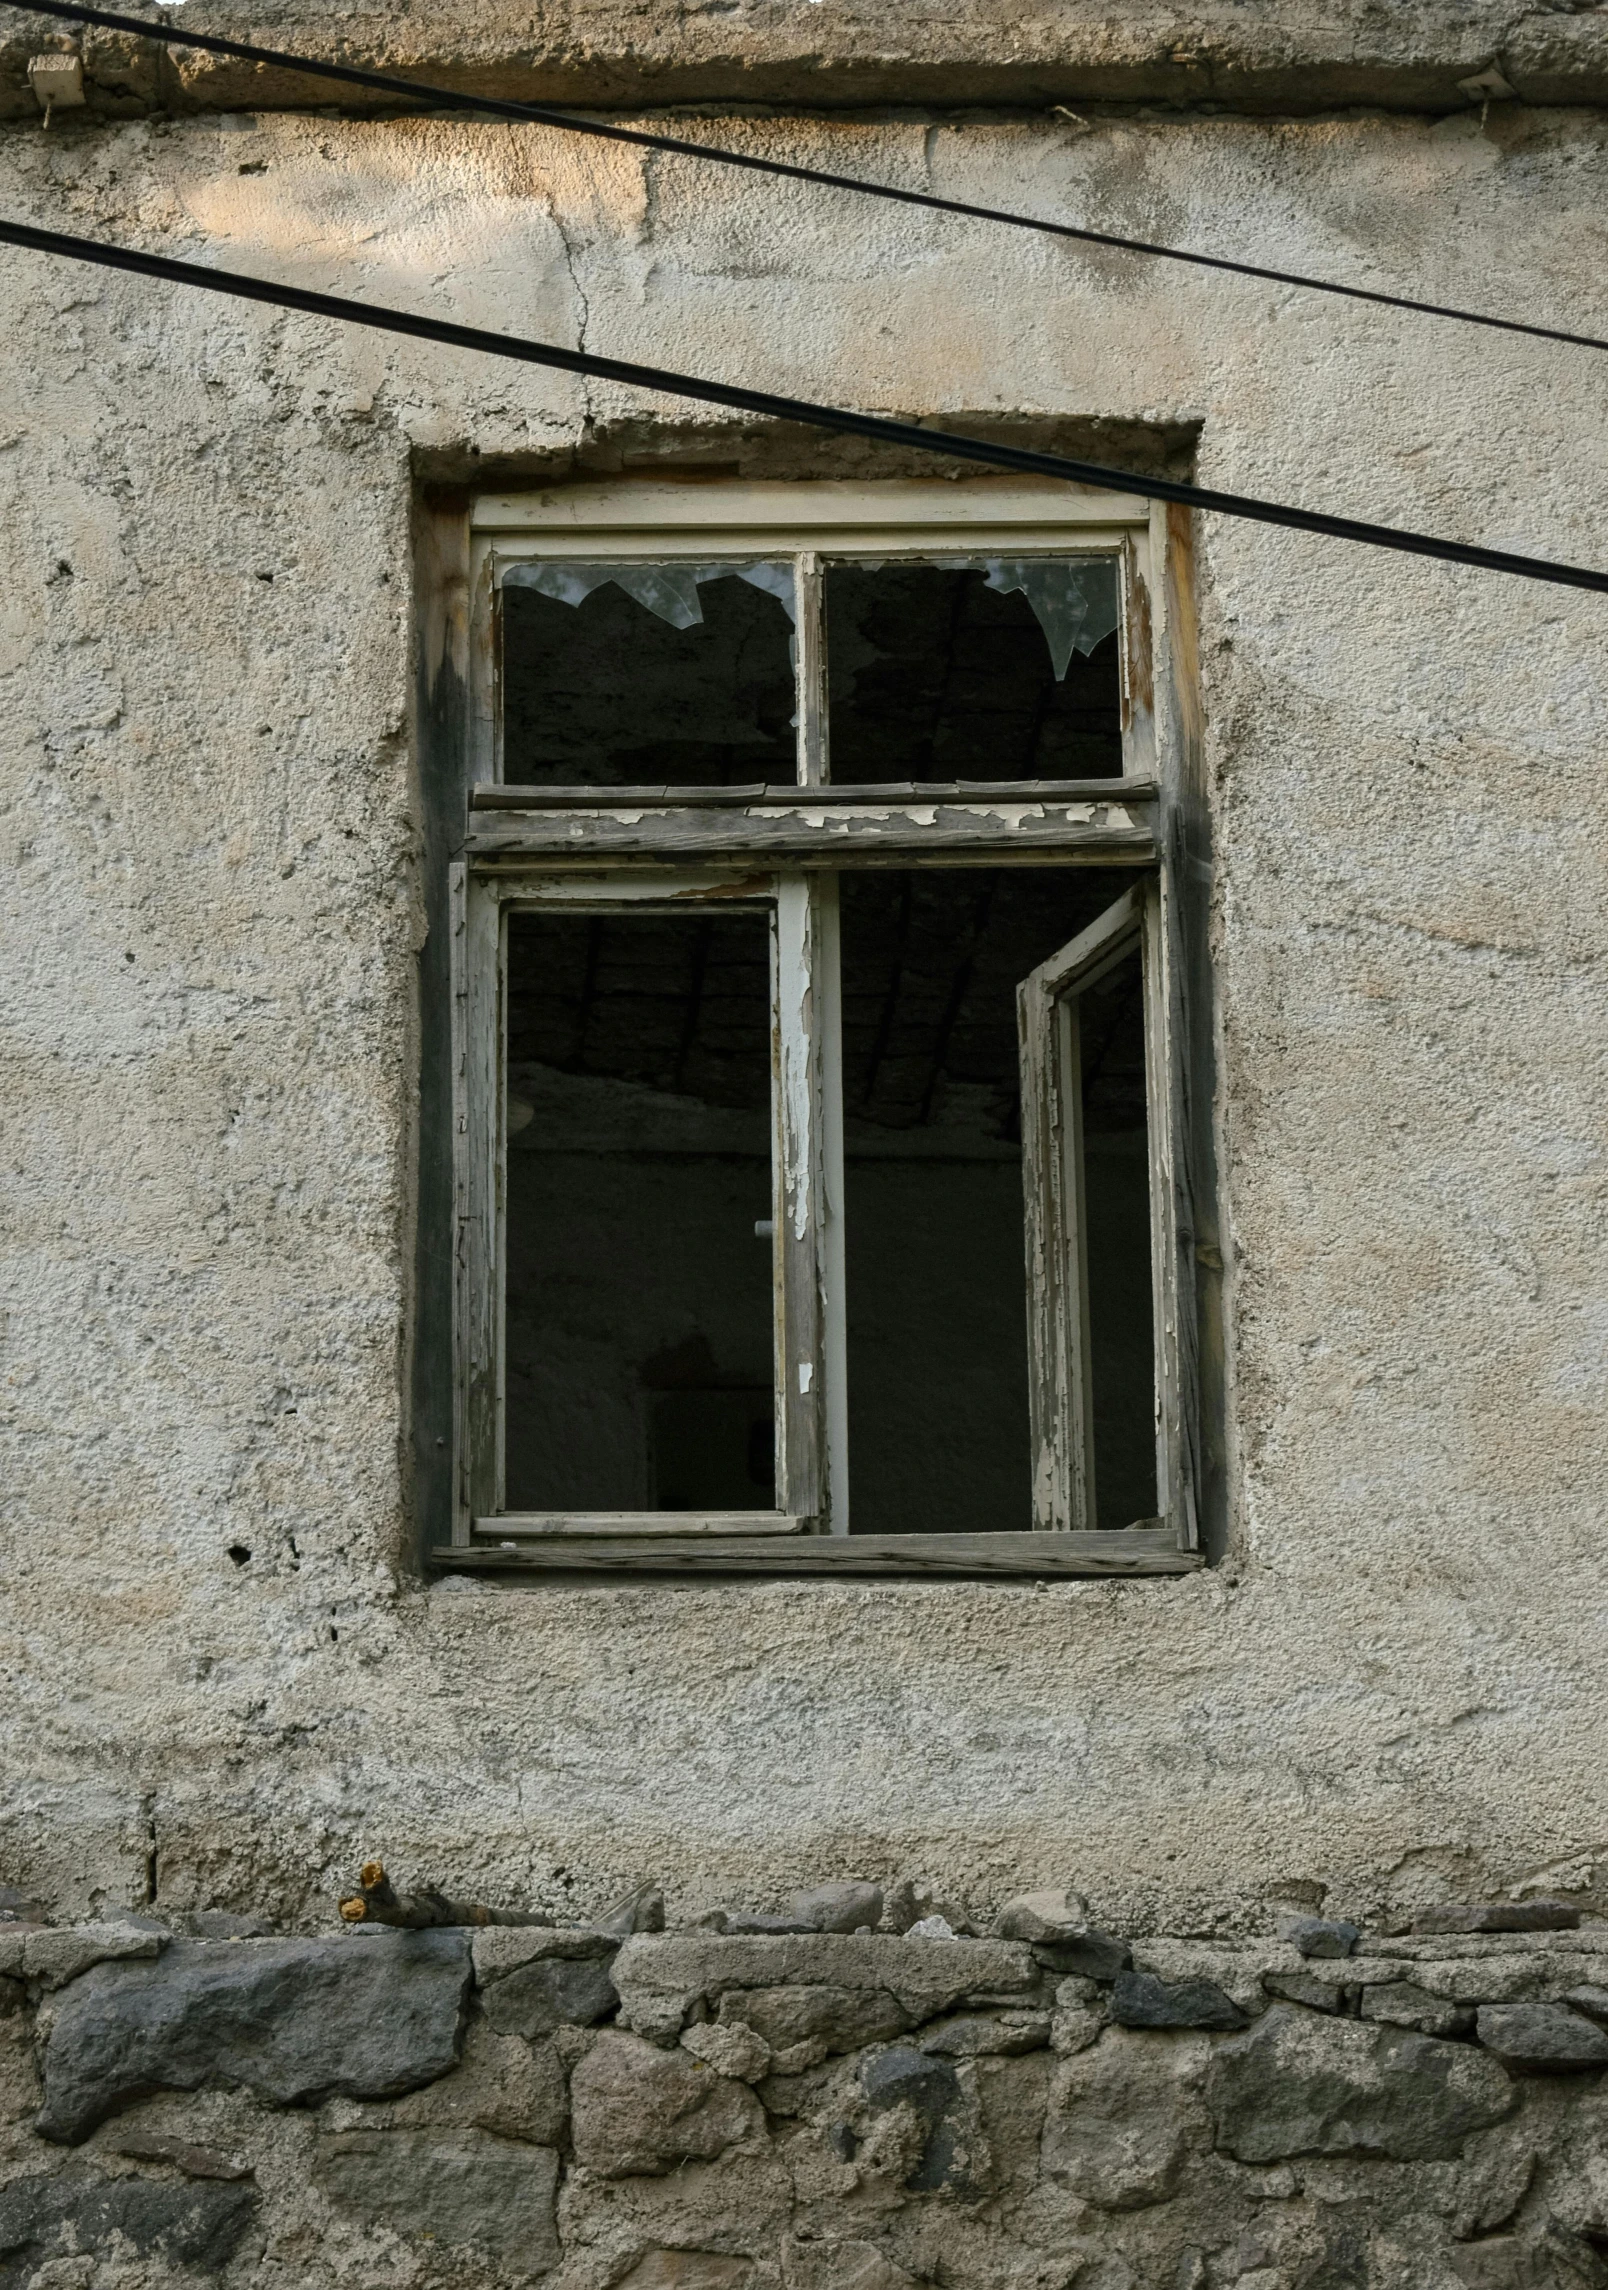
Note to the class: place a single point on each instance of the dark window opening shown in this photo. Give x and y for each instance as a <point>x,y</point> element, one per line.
<point>936,1274</point>
<point>647,675</point>
<point>1116,1209</point>
<point>638,1359</point>
<point>946,672</point>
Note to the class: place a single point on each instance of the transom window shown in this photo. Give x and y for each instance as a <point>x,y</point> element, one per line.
<point>816,1054</point>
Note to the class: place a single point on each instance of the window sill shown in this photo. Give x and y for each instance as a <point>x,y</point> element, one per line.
<point>1132,1551</point>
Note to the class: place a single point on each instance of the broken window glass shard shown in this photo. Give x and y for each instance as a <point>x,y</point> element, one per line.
<point>669,590</point>
<point>973,669</point>
<point>635,675</point>
<point>1075,603</point>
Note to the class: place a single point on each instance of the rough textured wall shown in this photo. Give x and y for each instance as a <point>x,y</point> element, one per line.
<point>212,907</point>
<point>1268,55</point>
<point>825,2111</point>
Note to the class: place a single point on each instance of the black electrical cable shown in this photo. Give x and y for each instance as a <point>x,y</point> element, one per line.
<point>497,107</point>
<point>766,402</point>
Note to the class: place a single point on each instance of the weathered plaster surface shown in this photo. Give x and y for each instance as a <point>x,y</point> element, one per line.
<point>1266,55</point>
<point>211,912</point>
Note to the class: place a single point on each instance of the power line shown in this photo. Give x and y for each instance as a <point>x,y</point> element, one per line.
<point>496,107</point>
<point>776,408</point>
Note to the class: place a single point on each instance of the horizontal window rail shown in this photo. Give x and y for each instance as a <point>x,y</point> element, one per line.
<point>495,795</point>
<point>1125,1551</point>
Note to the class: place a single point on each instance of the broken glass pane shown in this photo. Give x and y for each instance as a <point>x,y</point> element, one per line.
<point>641,675</point>
<point>957,668</point>
<point>639,1295</point>
<point>1074,602</point>
<point>670,590</point>
<point>939,1436</point>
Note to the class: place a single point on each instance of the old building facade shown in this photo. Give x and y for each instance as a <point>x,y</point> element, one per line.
<point>364,1330</point>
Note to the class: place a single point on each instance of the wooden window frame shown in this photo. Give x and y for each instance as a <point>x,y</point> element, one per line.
<point>781,849</point>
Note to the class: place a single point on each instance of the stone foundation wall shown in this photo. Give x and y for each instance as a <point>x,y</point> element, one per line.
<point>801,2109</point>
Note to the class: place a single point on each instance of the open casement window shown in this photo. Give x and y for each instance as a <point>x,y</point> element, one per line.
<point>817,1070</point>
<point>1096,1204</point>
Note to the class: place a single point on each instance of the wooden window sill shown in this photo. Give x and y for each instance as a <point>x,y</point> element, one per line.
<point>1133,1551</point>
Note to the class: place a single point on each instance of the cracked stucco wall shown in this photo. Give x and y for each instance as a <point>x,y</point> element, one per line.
<point>1271,56</point>
<point>1395,1685</point>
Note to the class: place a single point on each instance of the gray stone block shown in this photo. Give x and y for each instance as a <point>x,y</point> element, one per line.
<point>449,2187</point>
<point>1402,2004</point>
<point>1500,1916</point>
<point>841,1907</point>
<point>500,1949</point>
<point>1304,1988</point>
<point>1052,1916</point>
<point>55,1957</point>
<point>1592,2001</point>
<point>1296,2084</point>
<point>502,2084</point>
<point>730,2048</point>
<point>41,2218</point>
<point>1124,2117</point>
<point>842,2018</point>
<point>658,1972</point>
<point>1319,1935</point>
<point>902,2077</point>
<point>1141,2000</point>
<point>977,2035</point>
<point>638,2111</point>
<point>1550,2038</point>
<point>293,2020</point>
<point>543,1996</point>
<point>1091,1956</point>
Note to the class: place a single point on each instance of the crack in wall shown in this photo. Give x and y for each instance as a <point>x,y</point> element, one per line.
<point>583,305</point>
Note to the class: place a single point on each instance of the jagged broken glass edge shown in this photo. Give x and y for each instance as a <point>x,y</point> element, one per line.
<point>669,591</point>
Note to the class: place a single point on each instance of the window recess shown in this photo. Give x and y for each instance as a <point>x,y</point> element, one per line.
<point>819,1081</point>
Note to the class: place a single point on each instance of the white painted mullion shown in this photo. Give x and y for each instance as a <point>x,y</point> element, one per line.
<point>800,1348</point>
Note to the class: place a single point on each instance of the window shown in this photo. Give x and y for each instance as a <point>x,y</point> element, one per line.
<point>822,1197</point>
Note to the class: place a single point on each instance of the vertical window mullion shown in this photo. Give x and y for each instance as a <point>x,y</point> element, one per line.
<point>800,1205</point>
<point>477,1096</point>
<point>1172,1236</point>
<point>813,769</point>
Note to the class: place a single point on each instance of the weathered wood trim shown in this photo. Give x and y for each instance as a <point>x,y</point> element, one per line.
<point>834,1255</point>
<point>1193,1230</point>
<point>1054,1218</point>
<point>799,1205</point>
<point>1138,659</point>
<point>1134,1551</point>
<point>1171,1222</point>
<point>820,511</point>
<point>485,664</point>
<point>1103,834</point>
<point>523,1525</point>
<point>440,776</point>
<point>809,590</point>
<point>493,795</point>
<point>477,1249</point>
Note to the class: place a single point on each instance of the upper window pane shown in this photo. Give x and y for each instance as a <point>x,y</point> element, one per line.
<point>973,668</point>
<point>647,675</point>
